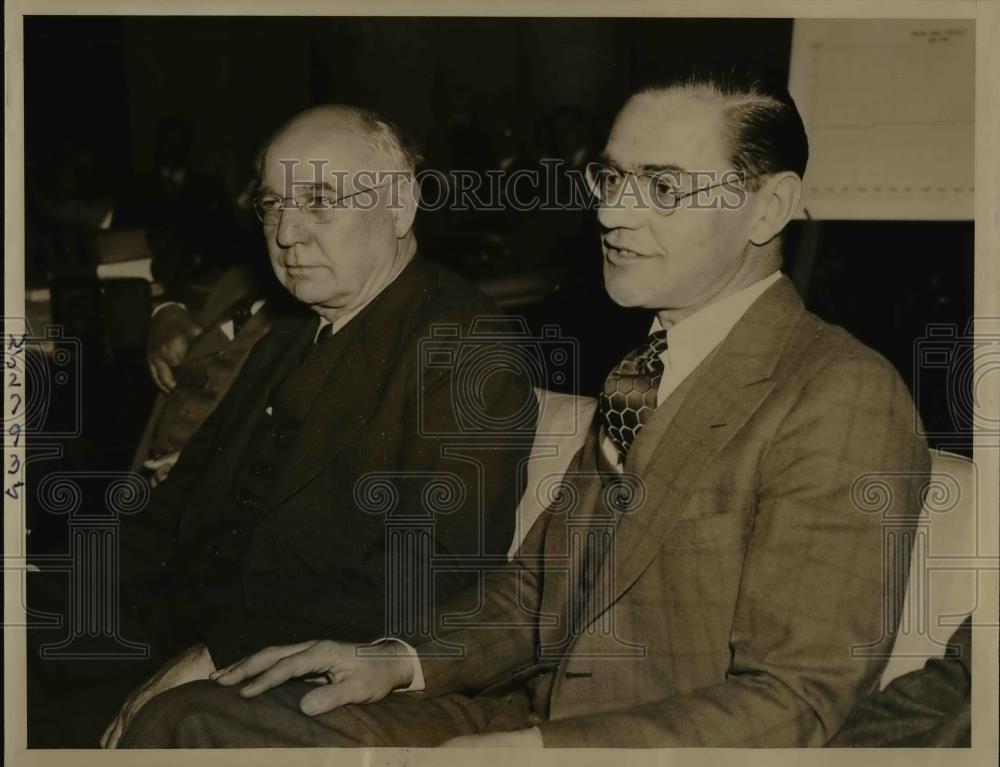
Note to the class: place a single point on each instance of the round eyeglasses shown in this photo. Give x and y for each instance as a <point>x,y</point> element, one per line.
<point>318,205</point>
<point>659,190</point>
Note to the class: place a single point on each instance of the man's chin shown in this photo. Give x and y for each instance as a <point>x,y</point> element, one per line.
<point>330,306</point>
<point>624,292</point>
<point>315,295</point>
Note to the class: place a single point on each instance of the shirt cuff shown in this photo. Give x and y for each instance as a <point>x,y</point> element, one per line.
<point>166,304</point>
<point>417,684</point>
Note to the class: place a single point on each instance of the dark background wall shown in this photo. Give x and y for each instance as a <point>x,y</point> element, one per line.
<point>105,82</point>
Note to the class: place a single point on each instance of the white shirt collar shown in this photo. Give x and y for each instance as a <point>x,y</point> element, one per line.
<point>345,318</point>
<point>339,322</point>
<point>692,339</point>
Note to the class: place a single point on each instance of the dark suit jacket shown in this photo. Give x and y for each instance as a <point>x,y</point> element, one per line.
<point>744,598</point>
<point>315,564</point>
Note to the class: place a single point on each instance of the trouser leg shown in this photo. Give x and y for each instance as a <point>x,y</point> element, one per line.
<point>207,715</point>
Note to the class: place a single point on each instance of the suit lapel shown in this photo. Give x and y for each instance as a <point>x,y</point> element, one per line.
<point>585,510</point>
<point>721,395</point>
<point>269,362</point>
<point>355,369</point>
<point>343,402</point>
<point>274,353</point>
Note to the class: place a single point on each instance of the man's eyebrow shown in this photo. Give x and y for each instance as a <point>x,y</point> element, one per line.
<point>315,186</point>
<point>319,186</point>
<point>661,168</point>
<point>647,167</point>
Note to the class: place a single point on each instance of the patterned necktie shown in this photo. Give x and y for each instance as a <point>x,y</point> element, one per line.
<point>629,396</point>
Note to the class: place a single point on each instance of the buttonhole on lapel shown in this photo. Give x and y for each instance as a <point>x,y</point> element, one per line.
<point>578,674</point>
<point>716,425</point>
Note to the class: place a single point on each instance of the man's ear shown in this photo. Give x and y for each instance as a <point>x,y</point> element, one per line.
<point>779,199</point>
<point>403,202</point>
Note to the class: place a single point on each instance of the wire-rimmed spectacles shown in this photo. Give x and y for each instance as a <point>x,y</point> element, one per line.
<point>659,189</point>
<point>318,204</point>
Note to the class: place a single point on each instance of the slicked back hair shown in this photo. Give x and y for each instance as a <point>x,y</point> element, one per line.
<point>762,125</point>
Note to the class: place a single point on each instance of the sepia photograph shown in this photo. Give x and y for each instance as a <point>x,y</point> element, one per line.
<point>549,376</point>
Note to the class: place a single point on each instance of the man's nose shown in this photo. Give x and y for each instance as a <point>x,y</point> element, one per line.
<point>622,213</point>
<point>291,229</point>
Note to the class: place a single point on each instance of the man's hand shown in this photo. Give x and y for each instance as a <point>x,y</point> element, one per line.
<point>172,332</point>
<point>530,738</point>
<point>348,673</point>
<point>191,665</point>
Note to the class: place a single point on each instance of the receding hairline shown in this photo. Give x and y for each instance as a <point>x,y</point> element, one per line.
<point>752,93</point>
<point>706,93</point>
<point>385,143</point>
<point>654,97</point>
<point>730,101</point>
<point>327,119</point>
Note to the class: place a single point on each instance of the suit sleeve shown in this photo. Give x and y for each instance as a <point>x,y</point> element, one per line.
<point>930,707</point>
<point>147,539</point>
<point>484,630</point>
<point>808,635</point>
<point>480,441</point>
<point>472,658</point>
<point>480,433</point>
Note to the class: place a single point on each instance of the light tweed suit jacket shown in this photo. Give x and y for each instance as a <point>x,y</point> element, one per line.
<point>750,592</point>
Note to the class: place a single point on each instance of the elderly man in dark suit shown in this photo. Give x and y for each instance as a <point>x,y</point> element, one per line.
<point>263,533</point>
<point>716,573</point>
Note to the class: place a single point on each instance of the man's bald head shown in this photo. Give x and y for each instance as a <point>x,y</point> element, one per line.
<point>362,132</point>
